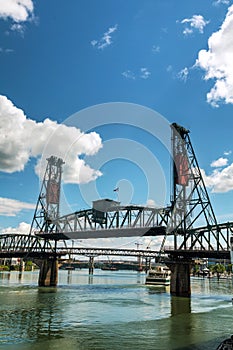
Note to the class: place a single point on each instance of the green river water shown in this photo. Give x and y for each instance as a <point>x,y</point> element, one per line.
<point>111,310</point>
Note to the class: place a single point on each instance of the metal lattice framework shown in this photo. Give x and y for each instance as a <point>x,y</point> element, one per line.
<point>203,243</point>
<point>190,218</point>
<point>190,203</point>
<point>19,245</point>
<point>115,223</point>
<point>47,207</point>
<point>143,253</point>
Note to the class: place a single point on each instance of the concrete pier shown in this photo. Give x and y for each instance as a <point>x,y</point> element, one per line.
<point>48,276</point>
<point>180,278</point>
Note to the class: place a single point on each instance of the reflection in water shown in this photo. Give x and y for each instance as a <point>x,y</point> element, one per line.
<point>181,325</point>
<point>24,316</point>
<point>90,279</point>
<point>69,277</point>
<point>5,275</point>
<point>180,306</point>
<point>157,289</point>
<point>110,312</point>
<point>20,275</point>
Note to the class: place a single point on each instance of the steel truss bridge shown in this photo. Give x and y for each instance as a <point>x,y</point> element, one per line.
<point>118,221</point>
<point>190,204</point>
<point>27,247</point>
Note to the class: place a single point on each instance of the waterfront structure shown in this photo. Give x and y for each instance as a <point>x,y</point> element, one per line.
<point>189,203</point>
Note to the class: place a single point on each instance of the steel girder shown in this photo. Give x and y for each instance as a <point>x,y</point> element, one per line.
<point>120,218</point>
<point>11,243</point>
<point>109,252</point>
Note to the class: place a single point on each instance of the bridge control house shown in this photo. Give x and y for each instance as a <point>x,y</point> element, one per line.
<point>100,209</point>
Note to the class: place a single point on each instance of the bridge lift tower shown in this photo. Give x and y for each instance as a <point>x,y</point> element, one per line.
<point>47,207</point>
<point>190,201</point>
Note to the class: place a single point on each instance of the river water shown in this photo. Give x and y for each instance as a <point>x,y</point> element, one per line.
<point>111,310</point>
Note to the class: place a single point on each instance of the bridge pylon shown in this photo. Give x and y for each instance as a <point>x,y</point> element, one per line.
<point>48,203</point>
<point>191,204</point>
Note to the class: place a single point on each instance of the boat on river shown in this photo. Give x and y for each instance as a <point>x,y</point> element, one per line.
<point>107,267</point>
<point>160,276</point>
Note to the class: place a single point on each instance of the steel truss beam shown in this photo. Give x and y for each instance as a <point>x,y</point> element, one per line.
<point>122,217</point>
<point>109,252</point>
<point>15,244</point>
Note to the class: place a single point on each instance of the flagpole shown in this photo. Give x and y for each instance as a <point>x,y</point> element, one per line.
<point>117,191</point>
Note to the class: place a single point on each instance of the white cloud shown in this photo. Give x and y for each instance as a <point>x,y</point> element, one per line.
<point>220,162</point>
<point>183,74</point>
<point>6,50</point>
<point>23,138</point>
<point>16,27</point>
<point>219,2</point>
<point>17,10</point>
<point>128,74</point>
<point>106,39</point>
<point>196,22</point>
<point>23,228</point>
<point>221,180</point>
<point>187,31</point>
<point>144,73</point>
<point>227,153</point>
<point>217,62</point>
<point>155,49</point>
<point>11,207</point>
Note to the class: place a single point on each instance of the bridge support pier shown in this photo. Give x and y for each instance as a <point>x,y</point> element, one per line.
<point>91,265</point>
<point>48,276</point>
<point>180,278</point>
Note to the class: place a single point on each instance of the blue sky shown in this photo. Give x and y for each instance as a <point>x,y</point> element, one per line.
<point>58,58</point>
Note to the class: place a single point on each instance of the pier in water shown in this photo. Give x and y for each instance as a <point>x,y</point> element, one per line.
<point>111,310</point>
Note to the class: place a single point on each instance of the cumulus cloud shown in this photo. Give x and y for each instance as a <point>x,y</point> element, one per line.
<point>23,228</point>
<point>105,40</point>
<point>17,10</point>
<point>220,162</point>
<point>217,62</point>
<point>221,180</point>
<point>11,207</point>
<point>196,22</point>
<point>23,138</point>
